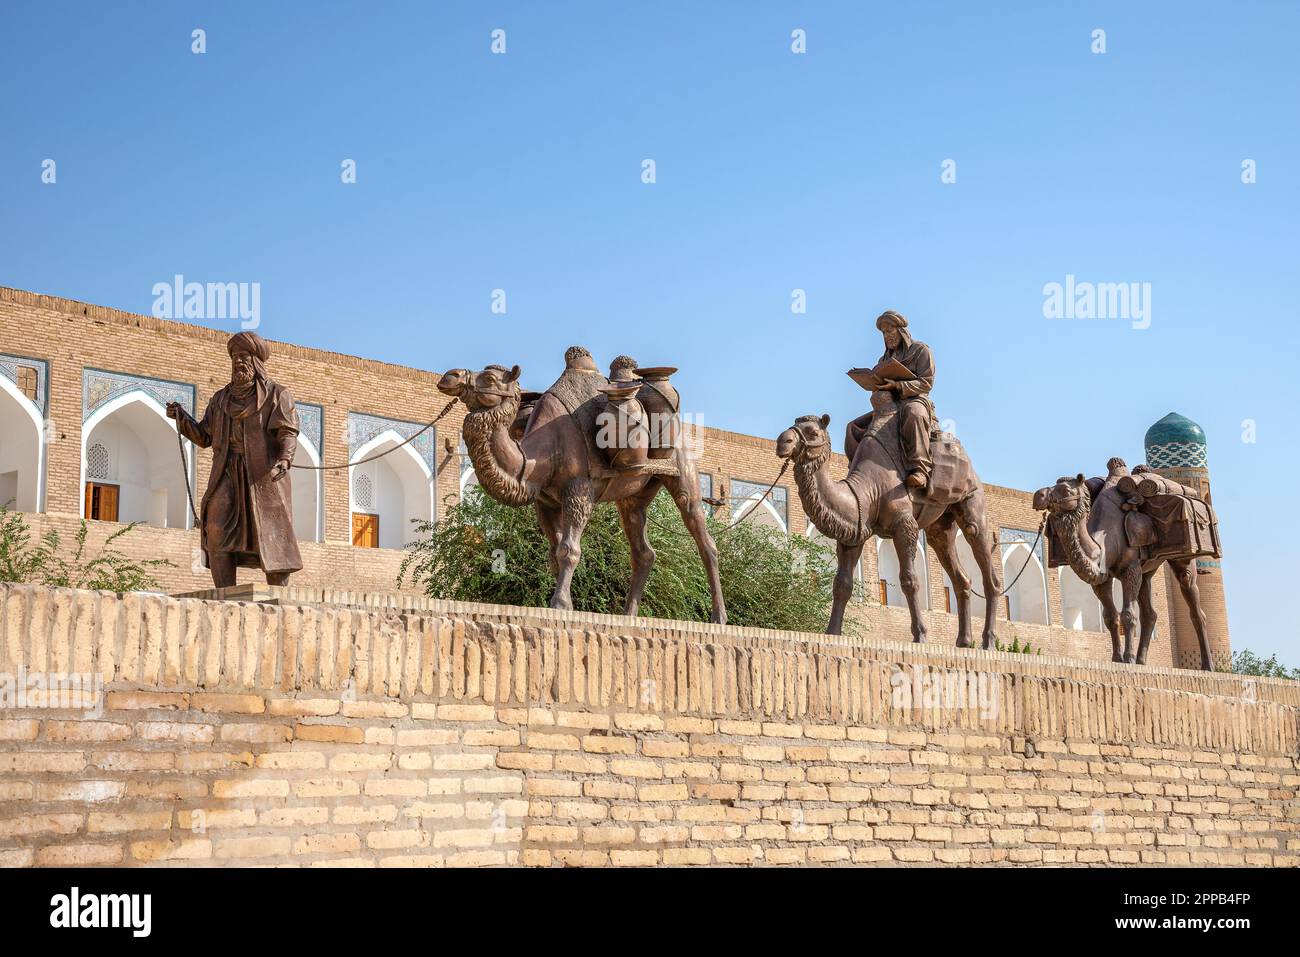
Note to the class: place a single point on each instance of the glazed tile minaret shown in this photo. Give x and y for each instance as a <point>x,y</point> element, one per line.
<point>1176,449</point>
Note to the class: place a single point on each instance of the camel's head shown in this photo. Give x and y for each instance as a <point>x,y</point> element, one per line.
<point>453,382</point>
<point>806,440</point>
<point>482,390</point>
<point>1063,497</point>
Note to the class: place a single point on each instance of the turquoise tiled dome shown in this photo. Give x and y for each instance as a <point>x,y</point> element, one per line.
<point>1176,442</point>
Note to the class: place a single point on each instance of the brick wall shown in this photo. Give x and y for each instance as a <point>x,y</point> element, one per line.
<point>327,735</point>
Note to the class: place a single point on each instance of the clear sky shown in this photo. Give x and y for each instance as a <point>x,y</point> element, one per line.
<point>775,171</point>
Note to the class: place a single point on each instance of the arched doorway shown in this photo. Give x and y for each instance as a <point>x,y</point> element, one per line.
<point>22,451</point>
<point>131,464</point>
<point>389,493</point>
<point>1080,609</point>
<point>890,578</point>
<point>1026,600</point>
<point>966,558</point>
<point>308,517</point>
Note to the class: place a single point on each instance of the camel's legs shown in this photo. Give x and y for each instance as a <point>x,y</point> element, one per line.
<point>975,525</point>
<point>1185,571</point>
<point>847,557</point>
<point>945,548</point>
<point>905,547</point>
<point>1109,615</point>
<point>1130,582</point>
<point>1147,610</point>
<point>574,515</point>
<point>686,493</point>
<point>632,511</point>
<point>548,517</point>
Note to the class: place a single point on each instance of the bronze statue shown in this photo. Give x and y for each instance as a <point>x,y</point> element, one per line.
<point>246,517</point>
<point>907,368</point>
<point>558,466</point>
<point>1125,527</point>
<point>876,499</point>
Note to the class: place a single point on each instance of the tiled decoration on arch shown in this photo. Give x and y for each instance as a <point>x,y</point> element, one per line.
<point>742,492</point>
<point>311,424</point>
<point>362,427</point>
<point>31,376</point>
<point>99,387</point>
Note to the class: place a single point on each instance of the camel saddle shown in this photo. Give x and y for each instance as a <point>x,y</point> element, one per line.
<point>952,479</point>
<point>579,391</point>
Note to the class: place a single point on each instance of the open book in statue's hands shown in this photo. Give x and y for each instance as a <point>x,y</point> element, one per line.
<point>889,370</point>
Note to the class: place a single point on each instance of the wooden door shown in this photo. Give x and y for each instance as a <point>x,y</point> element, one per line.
<point>101,501</point>
<point>884,592</point>
<point>365,530</point>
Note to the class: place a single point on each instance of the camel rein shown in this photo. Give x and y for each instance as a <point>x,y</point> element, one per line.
<point>180,444</point>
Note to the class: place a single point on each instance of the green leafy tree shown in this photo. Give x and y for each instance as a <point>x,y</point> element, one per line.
<point>1246,662</point>
<point>484,551</point>
<point>42,562</point>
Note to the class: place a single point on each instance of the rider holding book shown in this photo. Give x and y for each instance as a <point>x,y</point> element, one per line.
<point>903,354</point>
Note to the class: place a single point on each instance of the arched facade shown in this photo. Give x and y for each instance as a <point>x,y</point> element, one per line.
<point>389,493</point>
<point>1026,600</point>
<point>22,450</point>
<point>756,504</point>
<point>889,587</point>
<point>1080,610</point>
<point>966,558</point>
<point>131,464</point>
<point>308,508</point>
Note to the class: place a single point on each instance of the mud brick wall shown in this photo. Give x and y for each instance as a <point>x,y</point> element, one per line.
<point>317,735</point>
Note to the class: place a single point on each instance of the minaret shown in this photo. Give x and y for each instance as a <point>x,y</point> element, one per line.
<point>1176,449</point>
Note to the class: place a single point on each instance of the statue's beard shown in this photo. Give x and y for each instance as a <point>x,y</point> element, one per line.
<point>241,384</point>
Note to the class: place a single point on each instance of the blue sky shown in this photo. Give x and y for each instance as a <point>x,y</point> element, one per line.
<point>775,172</point>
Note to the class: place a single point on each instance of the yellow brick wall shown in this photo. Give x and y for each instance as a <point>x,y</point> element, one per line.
<point>238,733</point>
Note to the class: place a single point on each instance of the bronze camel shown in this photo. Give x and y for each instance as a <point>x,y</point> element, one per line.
<point>550,466</point>
<point>1090,525</point>
<point>873,500</point>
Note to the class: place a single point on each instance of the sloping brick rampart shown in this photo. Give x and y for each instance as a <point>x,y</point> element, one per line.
<point>315,734</point>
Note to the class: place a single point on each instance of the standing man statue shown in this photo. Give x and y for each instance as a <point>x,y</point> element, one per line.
<point>912,394</point>
<point>246,518</point>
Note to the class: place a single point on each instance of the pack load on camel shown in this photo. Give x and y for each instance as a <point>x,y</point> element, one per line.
<point>1163,519</point>
<point>1182,523</point>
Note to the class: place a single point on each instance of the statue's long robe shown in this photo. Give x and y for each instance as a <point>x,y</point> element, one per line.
<point>253,516</point>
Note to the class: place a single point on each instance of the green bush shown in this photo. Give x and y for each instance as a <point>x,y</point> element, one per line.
<point>1016,648</point>
<point>484,551</point>
<point>1246,662</point>
<point>41,563</point>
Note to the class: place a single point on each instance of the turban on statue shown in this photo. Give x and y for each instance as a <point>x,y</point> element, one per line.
<point>250,343</point>
<point>254,346</point>
<point>891,318</point>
